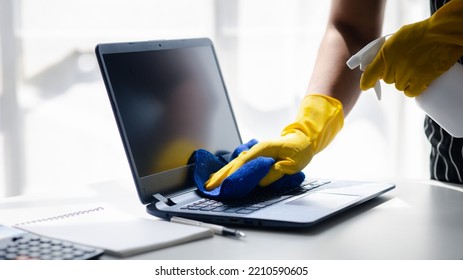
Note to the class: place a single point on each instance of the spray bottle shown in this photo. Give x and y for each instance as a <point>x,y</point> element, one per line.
<point>443,98</point>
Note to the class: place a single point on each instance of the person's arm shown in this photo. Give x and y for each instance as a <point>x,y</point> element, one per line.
<point>352,24</point>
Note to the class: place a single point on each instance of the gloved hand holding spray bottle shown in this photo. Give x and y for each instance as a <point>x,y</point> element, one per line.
<point>420,59</point>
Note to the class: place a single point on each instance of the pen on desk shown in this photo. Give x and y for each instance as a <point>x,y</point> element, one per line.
<point>215,228</point>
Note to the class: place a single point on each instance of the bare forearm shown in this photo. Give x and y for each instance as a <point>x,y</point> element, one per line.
<point>349,29</point>
<point>331,76</point>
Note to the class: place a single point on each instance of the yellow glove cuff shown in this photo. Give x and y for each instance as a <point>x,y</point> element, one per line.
<point>447,23</point>
<point>320,118</point>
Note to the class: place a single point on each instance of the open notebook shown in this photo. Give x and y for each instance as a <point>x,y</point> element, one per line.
<point>118,233</point>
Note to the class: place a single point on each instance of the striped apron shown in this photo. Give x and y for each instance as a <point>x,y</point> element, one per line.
<point>446,158</point>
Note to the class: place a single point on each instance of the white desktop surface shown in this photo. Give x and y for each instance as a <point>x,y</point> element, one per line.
<point>417,220</point>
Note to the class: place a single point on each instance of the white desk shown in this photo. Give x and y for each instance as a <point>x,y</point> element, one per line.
<point>417,220</point>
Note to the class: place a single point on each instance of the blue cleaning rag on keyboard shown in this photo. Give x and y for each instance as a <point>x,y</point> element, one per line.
<point>244,180</point>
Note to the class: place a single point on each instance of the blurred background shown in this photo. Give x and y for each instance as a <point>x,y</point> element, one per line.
<point>56,124</point>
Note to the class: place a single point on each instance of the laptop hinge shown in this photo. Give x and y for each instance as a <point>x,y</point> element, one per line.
<point>163,199</point>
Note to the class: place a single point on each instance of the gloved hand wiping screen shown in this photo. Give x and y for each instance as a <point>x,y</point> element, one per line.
<point>242,182</point>
<point>319,120</point>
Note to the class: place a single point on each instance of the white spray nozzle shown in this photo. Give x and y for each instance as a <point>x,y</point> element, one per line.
<point>365,56</point>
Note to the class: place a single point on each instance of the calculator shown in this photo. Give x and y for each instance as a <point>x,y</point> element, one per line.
<point>16,244</point>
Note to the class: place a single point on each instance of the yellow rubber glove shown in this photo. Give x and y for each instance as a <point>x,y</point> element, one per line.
<point>319,120</point>
<point>420,52</point>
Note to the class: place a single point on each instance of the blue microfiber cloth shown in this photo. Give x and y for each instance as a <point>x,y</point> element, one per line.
<point>243,181</point>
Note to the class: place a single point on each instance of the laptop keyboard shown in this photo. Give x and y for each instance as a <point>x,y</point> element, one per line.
<point>253,203</point>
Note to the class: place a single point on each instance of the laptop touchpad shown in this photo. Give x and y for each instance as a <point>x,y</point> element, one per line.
<point>324,200</point>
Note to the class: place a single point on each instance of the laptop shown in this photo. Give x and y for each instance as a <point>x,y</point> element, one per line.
<point>169,99</point>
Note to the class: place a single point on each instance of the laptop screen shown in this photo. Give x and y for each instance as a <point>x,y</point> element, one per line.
<point>170,101</point>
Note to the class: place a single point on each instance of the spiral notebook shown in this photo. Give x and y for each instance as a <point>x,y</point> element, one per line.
<point>117,232</point>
